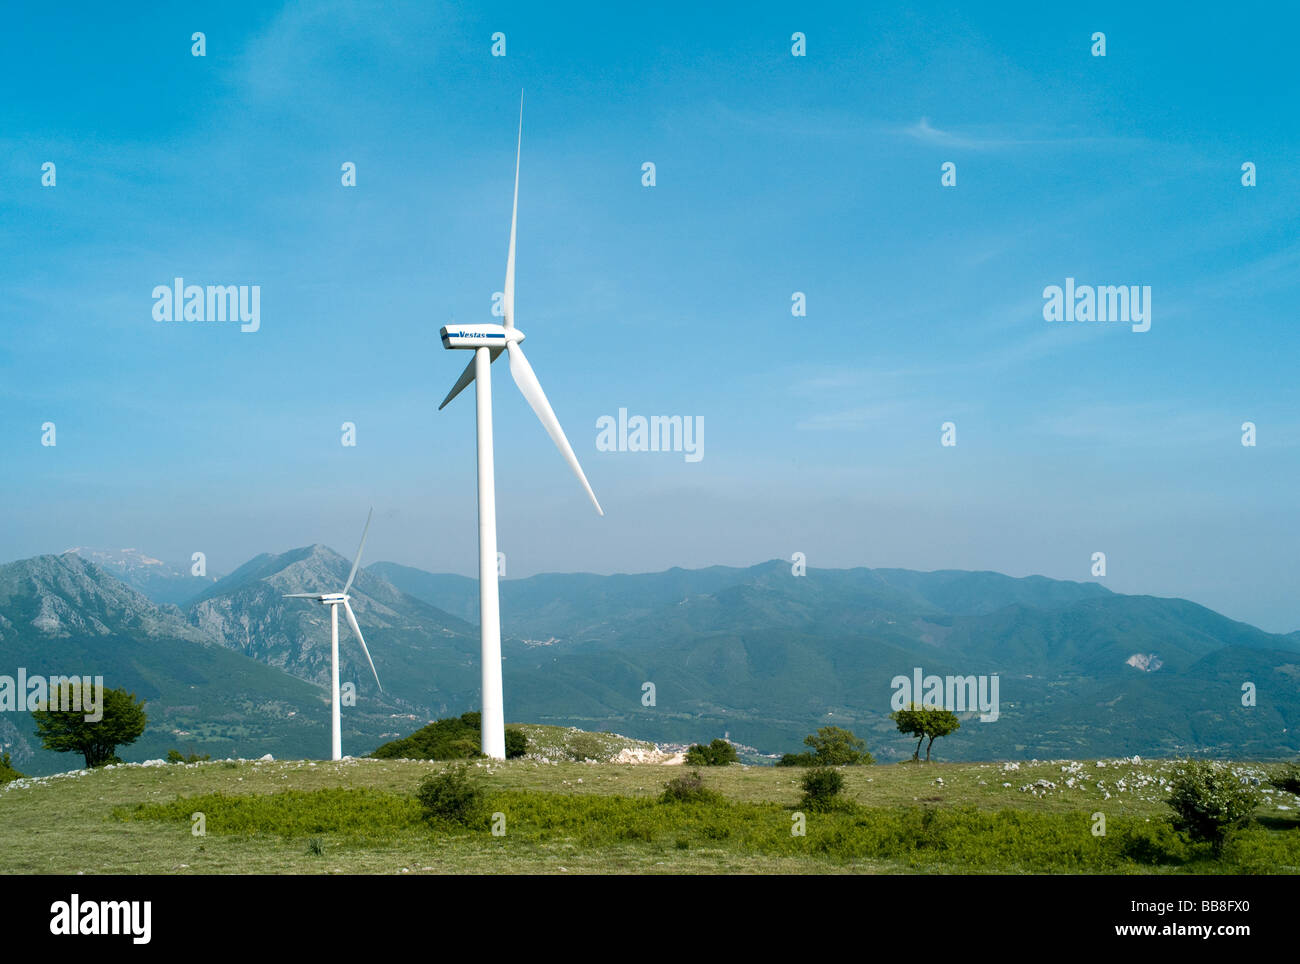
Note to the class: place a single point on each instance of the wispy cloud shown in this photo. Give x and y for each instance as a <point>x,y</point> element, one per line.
<point>1142,424</point>
<point>850,418</point>
<point>993,140</point>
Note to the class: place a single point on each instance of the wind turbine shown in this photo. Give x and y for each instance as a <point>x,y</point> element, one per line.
<point>488,342</point>
<point>334,600</point>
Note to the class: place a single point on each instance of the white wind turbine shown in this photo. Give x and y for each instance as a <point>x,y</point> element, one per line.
<point>334,600</point>
<point>487,342</point>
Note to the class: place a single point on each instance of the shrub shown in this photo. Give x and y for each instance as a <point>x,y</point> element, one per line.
<point>465,748</point>
<point>832,746</point>
<point>516,742</point>
<point>1152,843</point>
<point>688,788</point>
<point>453,796</point>
<point>353,813</point>
<point>7,771</point>
<point>176,756</point>
<point>587,746</point>
<point>1286,777</point>
<point>453,738</point>
<point>821,789</point>
<point>717,754</point>
<point>1209,802</point>
<point>316,847</point>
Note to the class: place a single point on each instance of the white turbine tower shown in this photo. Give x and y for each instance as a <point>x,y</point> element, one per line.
<point>487,342</point>
<point>334,600</point>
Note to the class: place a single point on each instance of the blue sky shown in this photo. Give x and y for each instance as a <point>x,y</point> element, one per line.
<point>775,174</point>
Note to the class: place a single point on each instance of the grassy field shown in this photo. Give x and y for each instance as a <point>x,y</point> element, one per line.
<point>606,818</point>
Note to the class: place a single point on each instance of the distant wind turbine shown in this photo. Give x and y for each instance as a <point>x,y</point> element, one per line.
<point>334,600</point>
<point>487,342</point>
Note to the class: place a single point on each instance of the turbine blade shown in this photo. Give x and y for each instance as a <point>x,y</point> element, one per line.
<point>514,218</point>
<point>466,377</point>
<point>364,532</point>
<point>531,388</point>
<point>352,621</point>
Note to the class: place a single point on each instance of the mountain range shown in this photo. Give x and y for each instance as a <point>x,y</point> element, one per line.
<point>163,582</point>
<point>756,653</point>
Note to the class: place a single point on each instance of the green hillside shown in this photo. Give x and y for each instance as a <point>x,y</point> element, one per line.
<point>361,816</point>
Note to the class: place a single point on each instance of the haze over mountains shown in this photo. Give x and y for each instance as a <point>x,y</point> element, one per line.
<point>755,652</point>
<point>163,582</point>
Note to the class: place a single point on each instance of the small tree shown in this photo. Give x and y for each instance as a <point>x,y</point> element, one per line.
<point>516,742</point>
<point>1286,777</point>
<point>7,771</point>
<point>835,746</point>
<point>832,746</point>
<point>716,754</point>
<point>68,731</point>
<point>688,788</point>
<point>925,721</point>
<point>1209,802</point>
<point>821,789</point>
<point>588,746</point>
<point>453,796</point>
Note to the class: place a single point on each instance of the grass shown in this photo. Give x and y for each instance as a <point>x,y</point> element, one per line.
<point>359,816</point>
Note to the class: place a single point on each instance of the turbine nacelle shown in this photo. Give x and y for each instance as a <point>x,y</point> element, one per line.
<point>495,337</point>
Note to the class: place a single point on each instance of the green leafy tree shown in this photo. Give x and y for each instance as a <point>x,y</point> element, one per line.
<point>7,771</point>
<point>68,731</point>
<point>1209,802</point>
<point>717,754</point>
<point>452,738</point>
<point>925,721</point>
<point>516,742</point>
<point>453,796</point>
<point>832,746</point>
<point>1286,777</point>
<point>587,746</point>
<point>821,789</point>
<point>835,746</point>
<point>688,788</point>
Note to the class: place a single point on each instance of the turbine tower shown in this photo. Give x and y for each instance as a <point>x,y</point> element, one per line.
<point>488,342</point>
<point>334,600</point>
